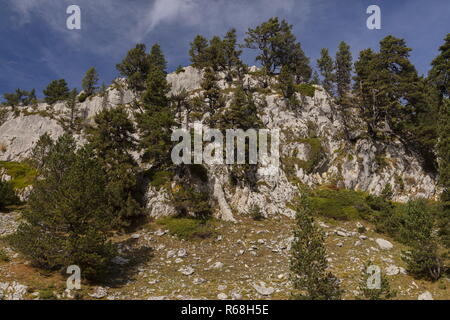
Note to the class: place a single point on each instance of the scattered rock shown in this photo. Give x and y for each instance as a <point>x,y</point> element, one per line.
<point>222,296</point>
<point>182,253</point>
<point>171,254</point>
<point>198,281</point>
<point>12,291</point>
<point>187,271</point>
<point>236,296</point>
<point>392,270</point>
<point>384,244</point>
<point>425,296</point>
<point>217,265</point>
<point>159,233</point>
<point>262,289</point>
<point>99,292</point>
<point>342,233</point>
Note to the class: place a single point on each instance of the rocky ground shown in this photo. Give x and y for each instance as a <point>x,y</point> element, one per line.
<point>244,260</point>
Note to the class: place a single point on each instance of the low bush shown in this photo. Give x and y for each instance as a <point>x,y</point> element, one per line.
<point>3,256</point>
<point>21,173</point>
<point>7,195</point>
<point>188,228</point>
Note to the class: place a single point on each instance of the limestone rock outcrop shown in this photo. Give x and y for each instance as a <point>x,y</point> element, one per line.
<point>313,150</point>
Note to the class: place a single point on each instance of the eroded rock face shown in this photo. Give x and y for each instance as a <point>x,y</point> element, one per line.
<point>313,151</point>
<point>19,134</point>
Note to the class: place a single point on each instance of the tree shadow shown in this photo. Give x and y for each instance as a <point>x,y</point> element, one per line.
<point>136,256</point>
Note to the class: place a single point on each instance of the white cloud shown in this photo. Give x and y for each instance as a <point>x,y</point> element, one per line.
<point>133,21</point>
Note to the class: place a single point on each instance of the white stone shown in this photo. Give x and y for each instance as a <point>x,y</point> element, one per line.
<point>384,244</point>
<point>262,289</point>
<point>425,296</point>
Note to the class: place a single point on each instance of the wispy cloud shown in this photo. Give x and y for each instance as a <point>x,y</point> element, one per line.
<point>123,22</point>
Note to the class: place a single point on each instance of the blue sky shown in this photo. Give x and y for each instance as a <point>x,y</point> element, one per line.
<point>36,47</point>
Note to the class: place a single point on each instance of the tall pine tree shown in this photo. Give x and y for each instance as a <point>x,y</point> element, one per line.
<point>326,67</point>
<point>67,222</point>
<point>343,70</point>
<point>156,119</point>
<point>308,258</point>
<point>135,67</point>
<point>113,142</point>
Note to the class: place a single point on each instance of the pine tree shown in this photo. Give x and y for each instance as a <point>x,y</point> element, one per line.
<point>423,260</point>
<point>384,292</point>
<point>287,85</point>
<point>440,72</point>
<point>215,54</point>
<point>198,52</point>
<point>211,92</point>
<point>242,113</point>
<point>443,151</point>
<point>156,58</point>
<point>66,221</point>
<point>135,66</point>
<point>315,78</point>
<point>440,78</point>
<point>20,97</point>
<point>233,64</point>
<point>90,80</point>
<point>343,70</point>
<point>308,259</point>
<point>112,141</point>
<point>298,64</point>
<point>389,89</point>
<point>156,120</point>
<point>74,119</point>
<point>326,67</point>
<point>56,91</point>
<point>278,47</point>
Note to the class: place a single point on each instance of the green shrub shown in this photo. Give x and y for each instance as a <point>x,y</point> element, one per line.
<point>384,292</point>
<point>340,204</point>
<point>315,154</point>
<point>82,97</point>
<point>47,293</point>
<point>199,171</point>
<point>306,89</point>
<point>256,214</point>
<point>179,69</point>
<point>424,262</point>
<point>188,228</point>
<point>3,115</point>
<point>160,178</point>
<point>3,256</point>
<point>21,173</point>
<point>7,195</point>
<point>189,201</point>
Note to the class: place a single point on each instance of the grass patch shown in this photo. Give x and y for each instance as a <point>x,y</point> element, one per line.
<point>47,293</point>
<point>188,228</point>
<point>340,204</point>
<point>22,175</point>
